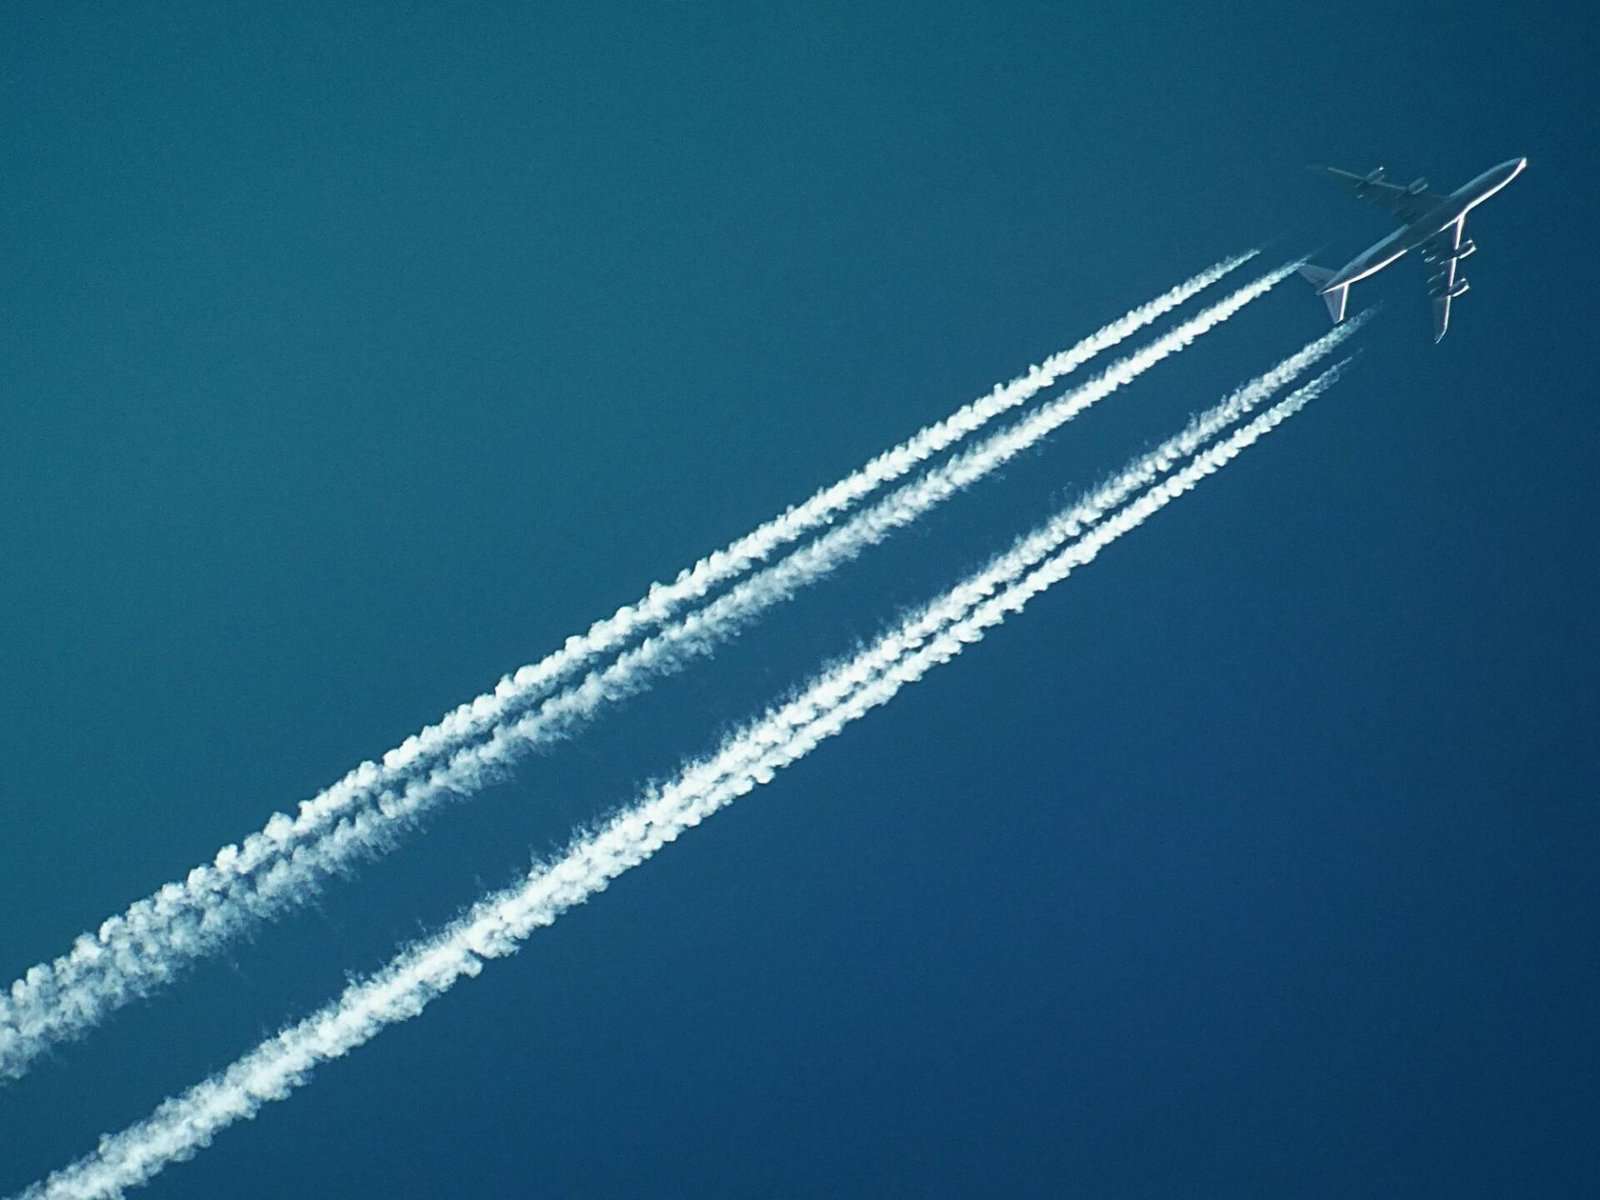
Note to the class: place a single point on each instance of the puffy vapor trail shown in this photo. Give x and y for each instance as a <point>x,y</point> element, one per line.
<point>186,922</point>
<point>496,925</point>
<point>132,954</point>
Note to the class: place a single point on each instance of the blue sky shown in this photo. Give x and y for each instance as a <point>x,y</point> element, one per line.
<point>354,358</point>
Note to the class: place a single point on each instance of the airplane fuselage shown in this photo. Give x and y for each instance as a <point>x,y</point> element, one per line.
<point>1427,227</point>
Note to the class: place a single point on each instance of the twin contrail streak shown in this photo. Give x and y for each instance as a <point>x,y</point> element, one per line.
<point>134,954</point>
<point>496,925</point>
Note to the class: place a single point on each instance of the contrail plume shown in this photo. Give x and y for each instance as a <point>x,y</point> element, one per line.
<point>497,924</point>
<point>66,1002</point>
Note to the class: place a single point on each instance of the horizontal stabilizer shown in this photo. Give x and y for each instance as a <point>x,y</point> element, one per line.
<point>1314,275</point>
<point>1336,299</point>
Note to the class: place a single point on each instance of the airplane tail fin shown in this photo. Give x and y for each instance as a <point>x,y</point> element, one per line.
<point>1336,300</point>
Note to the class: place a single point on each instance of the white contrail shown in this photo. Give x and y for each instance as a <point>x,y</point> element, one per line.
<point>496,925</point>
<point>49,999</point>
<point>66,1002</point>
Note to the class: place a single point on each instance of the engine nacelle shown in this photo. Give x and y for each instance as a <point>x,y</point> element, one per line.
<point>1376,174</point>
<point>1442,254</point>
<point>1417,186</point>
<point>1459,290</point>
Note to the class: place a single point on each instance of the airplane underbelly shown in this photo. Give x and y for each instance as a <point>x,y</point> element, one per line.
<point>1373,262</point>
<point>1436,223</point>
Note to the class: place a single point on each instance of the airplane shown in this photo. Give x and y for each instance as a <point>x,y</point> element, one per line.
<point>1431,225</point>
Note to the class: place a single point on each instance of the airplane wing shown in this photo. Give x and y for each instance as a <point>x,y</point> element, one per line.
<point>1442,254</point>
<point>1406,203</point>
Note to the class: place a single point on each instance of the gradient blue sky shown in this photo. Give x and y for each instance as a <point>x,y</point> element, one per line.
<point>353,355</point>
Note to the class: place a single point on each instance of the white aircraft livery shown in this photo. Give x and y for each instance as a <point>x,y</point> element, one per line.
<point>1431,225</point>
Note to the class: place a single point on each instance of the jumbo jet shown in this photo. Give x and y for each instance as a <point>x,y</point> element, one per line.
<point>1431,225</point>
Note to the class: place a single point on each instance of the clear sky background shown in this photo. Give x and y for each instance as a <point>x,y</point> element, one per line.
<point>351,358</point>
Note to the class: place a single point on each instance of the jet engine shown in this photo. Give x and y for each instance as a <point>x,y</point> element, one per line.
<point>1459,290</point>
<point>1417,186</point>
<point>1440,253</point>
<point>1376,174</point>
